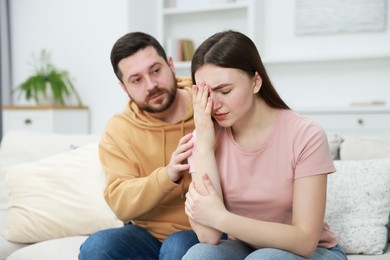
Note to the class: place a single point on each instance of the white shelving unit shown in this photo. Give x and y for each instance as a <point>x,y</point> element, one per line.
<point>197,22</point>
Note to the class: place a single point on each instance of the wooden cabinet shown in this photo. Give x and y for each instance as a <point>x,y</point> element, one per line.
<point>197,20</point>
<point>46,119</point>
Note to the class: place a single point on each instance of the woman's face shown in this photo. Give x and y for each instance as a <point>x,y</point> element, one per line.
<point>232,91</point>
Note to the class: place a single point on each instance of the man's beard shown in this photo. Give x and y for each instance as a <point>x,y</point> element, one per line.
<point>171,95</point>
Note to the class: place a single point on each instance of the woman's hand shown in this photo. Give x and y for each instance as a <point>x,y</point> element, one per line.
<point>204,209</point>
<point>202,116</point>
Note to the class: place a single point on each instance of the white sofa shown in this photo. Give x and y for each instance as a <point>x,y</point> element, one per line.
<point>51,195</point>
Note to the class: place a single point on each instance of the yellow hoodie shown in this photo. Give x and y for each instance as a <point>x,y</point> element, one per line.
<point>134,151</point>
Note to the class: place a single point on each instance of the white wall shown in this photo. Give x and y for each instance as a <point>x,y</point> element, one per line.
<point>332,84</point>
<point>332,69</point>
<point>328,70</point>
<point>279,40</point>
<point>80,35</point>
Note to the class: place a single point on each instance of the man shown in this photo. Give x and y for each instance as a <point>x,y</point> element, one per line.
<point>143,152</point>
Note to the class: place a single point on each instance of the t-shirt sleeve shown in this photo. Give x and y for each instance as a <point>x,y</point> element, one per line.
<point>314,153</point>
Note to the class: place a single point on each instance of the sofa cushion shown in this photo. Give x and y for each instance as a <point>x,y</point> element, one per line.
<point>7,247</point>
<point>385,256</point>
<point>358,205</point>
<point>58,249</point>
<point>18,146</point>
<point>358,147</point>
<point>334,141</point>
<point>58,196</point>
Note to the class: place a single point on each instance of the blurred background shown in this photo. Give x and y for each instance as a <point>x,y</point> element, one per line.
<point>325,54</point>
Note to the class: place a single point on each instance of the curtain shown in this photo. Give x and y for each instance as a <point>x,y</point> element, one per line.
<point>5,59</point>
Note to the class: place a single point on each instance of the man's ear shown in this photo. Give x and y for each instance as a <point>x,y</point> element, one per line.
<point>257,81</point>
<point>171,65</point>
<point>123,87</point>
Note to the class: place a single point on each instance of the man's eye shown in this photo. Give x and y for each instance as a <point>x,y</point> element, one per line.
<point>136,81</point>
<point>156,71</point>
<point>225,92</point>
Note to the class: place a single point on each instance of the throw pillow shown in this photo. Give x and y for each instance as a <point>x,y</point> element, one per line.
<point>20,146</point>
<point>358,147</point>
<point>334,141</point>
<point>58,196</point>
<point>358,205</point>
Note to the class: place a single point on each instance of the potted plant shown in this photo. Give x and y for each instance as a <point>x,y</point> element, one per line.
<point>47,84</point>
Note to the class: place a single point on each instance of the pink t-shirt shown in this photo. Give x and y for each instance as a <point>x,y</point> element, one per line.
<point>259,184</point>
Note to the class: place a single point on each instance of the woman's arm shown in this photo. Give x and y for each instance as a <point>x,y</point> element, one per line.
<point>204,159</point>
<point>301,237</point>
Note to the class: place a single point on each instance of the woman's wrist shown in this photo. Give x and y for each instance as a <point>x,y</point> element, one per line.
<point>204,150</point>
<point>219,221</point>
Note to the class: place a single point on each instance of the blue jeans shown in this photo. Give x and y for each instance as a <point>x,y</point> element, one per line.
<point>236,250</point>
<point>133,242</point>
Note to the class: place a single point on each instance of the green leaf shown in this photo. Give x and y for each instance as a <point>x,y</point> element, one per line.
<point>46,75</point>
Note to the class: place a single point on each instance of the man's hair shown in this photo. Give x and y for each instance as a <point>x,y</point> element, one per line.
<point>130,44</point>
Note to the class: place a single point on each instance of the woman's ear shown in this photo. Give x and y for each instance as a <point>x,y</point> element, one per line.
<point>257,81</point>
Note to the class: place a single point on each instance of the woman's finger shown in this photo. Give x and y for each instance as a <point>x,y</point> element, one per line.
<point>208,184</point>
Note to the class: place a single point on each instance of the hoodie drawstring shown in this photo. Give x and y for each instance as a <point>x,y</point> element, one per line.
<point>165,158</point>
<point>163,144</point>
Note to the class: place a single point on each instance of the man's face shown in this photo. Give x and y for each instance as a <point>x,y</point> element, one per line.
<point>148,80</point>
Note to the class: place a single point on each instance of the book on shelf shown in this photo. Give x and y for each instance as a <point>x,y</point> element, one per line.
<point>181,49</point>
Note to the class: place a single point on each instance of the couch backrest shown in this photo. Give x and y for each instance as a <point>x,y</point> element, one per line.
<point>24,146</point>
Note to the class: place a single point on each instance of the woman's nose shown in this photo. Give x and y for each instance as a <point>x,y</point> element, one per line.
<point>216,103</point>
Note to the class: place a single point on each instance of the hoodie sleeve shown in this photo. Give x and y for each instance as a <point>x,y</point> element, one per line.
<point>129,192</point>
<point>183,82</point>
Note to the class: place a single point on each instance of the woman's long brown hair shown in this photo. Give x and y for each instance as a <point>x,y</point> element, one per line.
<point>231,49</point>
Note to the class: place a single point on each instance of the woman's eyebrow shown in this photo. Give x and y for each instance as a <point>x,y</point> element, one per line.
<point>219,86</point>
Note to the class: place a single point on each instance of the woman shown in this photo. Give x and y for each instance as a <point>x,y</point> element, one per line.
<point>261,169</point>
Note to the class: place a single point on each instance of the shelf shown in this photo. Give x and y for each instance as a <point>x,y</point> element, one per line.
<point>264,23</point>
<point>270,62</point>
<point>379,109</point>
<point>201,9</point>
<point>199,22</point>
<point>276,61</point>
<point>40,107</point>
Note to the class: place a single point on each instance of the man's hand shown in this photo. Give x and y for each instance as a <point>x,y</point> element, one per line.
<point>176,168</point>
